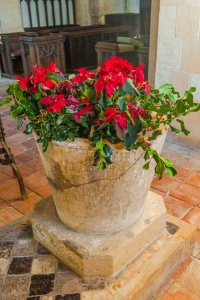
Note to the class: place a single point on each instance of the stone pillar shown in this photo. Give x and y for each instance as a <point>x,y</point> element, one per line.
<point>132,6</point>
<point>10,17</point>
<point>83,12</point>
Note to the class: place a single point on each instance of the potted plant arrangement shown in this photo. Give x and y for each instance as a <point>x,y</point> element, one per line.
<point>99,135</point>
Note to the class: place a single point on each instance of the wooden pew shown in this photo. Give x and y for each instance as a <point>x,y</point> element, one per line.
<point>11,53</point>
<point>80,44</point>
<point>41,50</point>
<point>136,51</point>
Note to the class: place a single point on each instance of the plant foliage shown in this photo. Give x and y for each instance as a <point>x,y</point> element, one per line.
<point>114,104</point>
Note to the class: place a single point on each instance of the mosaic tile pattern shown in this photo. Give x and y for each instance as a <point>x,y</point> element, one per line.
<point>28,271</point>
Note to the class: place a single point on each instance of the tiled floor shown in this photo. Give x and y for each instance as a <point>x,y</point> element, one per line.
<point>181,195</point>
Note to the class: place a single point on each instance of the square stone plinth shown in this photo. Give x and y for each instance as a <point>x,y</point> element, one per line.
<point>92,255</point>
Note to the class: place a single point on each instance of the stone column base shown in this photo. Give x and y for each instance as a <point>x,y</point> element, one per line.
<point>92,255</point>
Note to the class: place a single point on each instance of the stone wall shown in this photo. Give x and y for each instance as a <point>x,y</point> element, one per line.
<point>178,62</point>
<point>10,16</point>
<point>93,11</point>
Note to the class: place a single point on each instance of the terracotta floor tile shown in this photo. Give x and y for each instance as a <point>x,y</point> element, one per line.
<point>190,164</point>
<point>162,291</point>
<point>172,155</point>
<point>178,148</point>
<point>29,144</point>
<point>3,177</point>
<point>8,215</point>
<point>178,292</point>
<point>194,180</point>
<point>6,184</point>
<point>190,277</point>
<point>4,169</point>
<point>10,132</point>
<point>24,170</point>
<point>181,174</point>
<point>16,149</point>
<point>193,217</point>
<point>181,268</point>
<point>35,181</point>
<point>165,185</point>
<point>3,204</point>
<point>196,250</point>
<point>9,122</point>
<point>195,153</point>
<point>26,207</point>
<point>18,138</point>
<point>43,191</point>
<point>24,157</point>
<point>186,193</point>
<point>35,164</point>
<point>177,207</point>
<point>11,192</point>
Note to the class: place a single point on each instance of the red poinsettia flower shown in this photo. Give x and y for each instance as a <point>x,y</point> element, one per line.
<point>121,120</point>
<point>112,115</point>
<point>115,65</point>
<point>83,111</point>
<point>109,83</point>
<point>54,103</point>
<point>53,68</point>
<point>136,111</point>
<point>83,75</point>
<point>112,75</point>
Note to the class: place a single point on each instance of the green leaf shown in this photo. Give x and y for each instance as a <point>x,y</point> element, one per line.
<point>99,144</point>
<point>183,129</point>
<point>6,101</point>
<point>20,122</point>
<point>107,150</point>
<point>196,108</point>
<point>170,171</point>
<point>29,129</point>
<point>121,103</point>
<point>189,99</point>
<point>19,94</point>
<point>128,88</point>
<point>173,129</point>
<point>143,123</point>
<point>45,145</point>
<point>191,90</point>
<point>180,107</point>
<point>159,167</point>
<point>146,166</point>
<point>165,88</point>
<point>58,77</point>
<point>131,136</point>
<point>16,111</point>
<point>166,161</point>
<point>101,166</point>
<point>91,94</point>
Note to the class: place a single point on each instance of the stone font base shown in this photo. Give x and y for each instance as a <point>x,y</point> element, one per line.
<point>92,255</point>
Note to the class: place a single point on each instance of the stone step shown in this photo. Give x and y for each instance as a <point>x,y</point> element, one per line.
<point>145,276</point>
<point>139,278</point>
